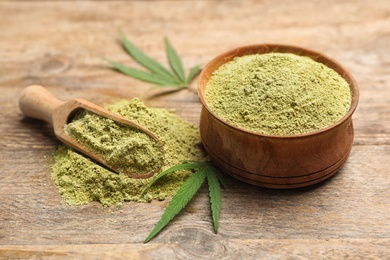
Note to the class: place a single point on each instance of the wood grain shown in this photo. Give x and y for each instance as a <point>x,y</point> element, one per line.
<point>60,45</point>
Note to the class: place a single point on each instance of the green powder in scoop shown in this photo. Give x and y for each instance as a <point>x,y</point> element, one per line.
<point>277,94</point>
<point>125,148</point>
<point>81,180</point>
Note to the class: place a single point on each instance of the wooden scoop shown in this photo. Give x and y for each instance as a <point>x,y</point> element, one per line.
<point>36,102</point>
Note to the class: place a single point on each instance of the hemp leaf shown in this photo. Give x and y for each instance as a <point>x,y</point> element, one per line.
<point>215,198</point>
<point>155,72</point>
<point>188,190</point>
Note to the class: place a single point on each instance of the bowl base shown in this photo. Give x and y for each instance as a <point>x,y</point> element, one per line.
<point>277,182</point>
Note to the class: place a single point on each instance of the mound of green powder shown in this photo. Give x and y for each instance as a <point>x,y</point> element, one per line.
<point>81,181</point>
<point>277,94</point>
<point>125,148</point>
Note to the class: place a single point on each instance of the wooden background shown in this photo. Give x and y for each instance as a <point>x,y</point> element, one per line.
<point>60,45</point>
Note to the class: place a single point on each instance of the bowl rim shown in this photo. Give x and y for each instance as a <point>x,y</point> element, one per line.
<point>281,48</point>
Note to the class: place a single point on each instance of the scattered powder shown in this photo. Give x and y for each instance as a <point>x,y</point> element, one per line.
<point>278,94</point>
<point>81,181</point>
<point>125,148</point>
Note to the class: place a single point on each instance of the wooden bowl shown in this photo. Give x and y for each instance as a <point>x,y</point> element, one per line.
<point>276,161</point>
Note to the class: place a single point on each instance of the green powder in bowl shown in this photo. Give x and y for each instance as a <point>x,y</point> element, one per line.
<point>277,94</point>
<point>81,180</point>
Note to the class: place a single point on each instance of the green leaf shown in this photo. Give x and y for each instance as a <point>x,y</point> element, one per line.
<point>142,75</point>
<point>179,201</point>
<point>183,166</point>
<point>188,190</point>
<point>221,179</point>
<point>215,196</point>
<point>193,72</point>
<point>175,61</point>
<point>145,60</point>
<point>159,75</point>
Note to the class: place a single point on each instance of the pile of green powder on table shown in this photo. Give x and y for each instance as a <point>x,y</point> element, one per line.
<point>81,180</point>
<point>277,94</point>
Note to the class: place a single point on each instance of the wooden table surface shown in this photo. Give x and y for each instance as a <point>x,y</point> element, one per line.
<point>60,45</point>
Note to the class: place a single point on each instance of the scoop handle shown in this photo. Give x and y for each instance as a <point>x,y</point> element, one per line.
<point>36,102</point>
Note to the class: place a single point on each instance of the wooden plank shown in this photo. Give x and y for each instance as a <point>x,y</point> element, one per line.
<point>336,208</point>
<point>227,249</point>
